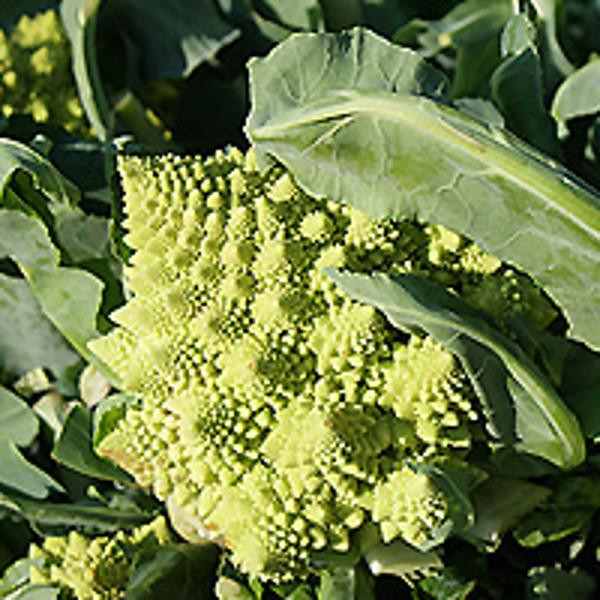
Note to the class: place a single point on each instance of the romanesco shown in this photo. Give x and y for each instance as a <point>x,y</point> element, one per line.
<point>278,414</point>
<point>35,71</point>
<point>95,568</point>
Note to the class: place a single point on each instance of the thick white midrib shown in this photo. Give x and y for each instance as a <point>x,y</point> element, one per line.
<point>426,117</point>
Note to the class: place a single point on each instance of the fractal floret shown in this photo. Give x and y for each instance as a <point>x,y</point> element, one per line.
<point>95,568</point>
<point>35,73</point>
<point>277,414</point>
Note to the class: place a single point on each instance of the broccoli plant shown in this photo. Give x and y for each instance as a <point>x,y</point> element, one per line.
<point>357,357</point>
<point>35,70</point>
<point>95,568</point>
<point>276,412</point>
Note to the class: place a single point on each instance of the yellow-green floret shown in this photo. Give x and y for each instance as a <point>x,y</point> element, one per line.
<point>277,413</point>
<point>95,568</point>
<point>35,73</point>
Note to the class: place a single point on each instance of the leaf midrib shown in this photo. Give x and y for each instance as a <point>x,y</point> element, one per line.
<point>427,117</point>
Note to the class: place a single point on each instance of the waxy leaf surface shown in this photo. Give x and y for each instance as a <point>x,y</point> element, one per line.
<point>360,121</point>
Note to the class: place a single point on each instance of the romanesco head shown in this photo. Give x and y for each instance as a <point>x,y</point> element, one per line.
<point>35,73</point>
<point>276,412</point>
<point>95,568</point>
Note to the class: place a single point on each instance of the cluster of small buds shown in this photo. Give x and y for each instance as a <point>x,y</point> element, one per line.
<point>97,568</point>
<point>286,411</point>
<point>425,386</point>
<point>408,505</point>
<point>507,294</point>
<point>35,73</point>
<point>485,283</point>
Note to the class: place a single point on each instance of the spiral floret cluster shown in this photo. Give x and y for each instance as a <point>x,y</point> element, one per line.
<point>275,412</point>
<point>35,73</point>
<point>95,568</point>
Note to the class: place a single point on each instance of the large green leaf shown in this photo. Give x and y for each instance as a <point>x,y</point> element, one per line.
<point>16,157</point>
<point>187,568</point>
<point>27,338</point>
<point>73,448</point>
<point>57,519</point>
<point>499,504</point>
<point>356,59</point>
<point>364,133</point>
<point>17,421</point>
<point>79,18</point>
<point>579,94</point>
<point>520,403</point>
<point>18,474</point>
<point>69,297</point>
<point>472,30</point>
<point>518,88</point>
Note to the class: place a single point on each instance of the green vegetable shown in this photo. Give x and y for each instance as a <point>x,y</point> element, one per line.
<point>519,399</point>
<point>362,358</point>
<point>95,568</point>
<point>35,71</point>
<point>275,413</point>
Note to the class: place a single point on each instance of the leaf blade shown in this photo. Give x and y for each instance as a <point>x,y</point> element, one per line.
<point>69,297</point>
<point>188,568</point>
<point>392,153</point>
<point>517,87</point>
<point>15,156</point>
<point>17,421</point>
<point>79,18</point>
<point>578,94</point>
<point>20,475</point>
<point>74,449</point>
<point>58,518</point>
<point>192,33</point>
